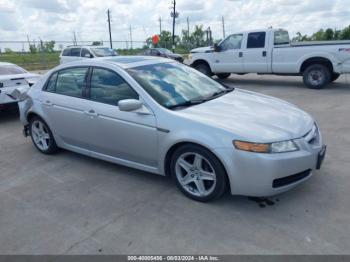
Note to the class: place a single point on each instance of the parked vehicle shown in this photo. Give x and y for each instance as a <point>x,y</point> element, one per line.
<point>270,52</point>
<point>74,53</point>
<point>163,117</point>
<point>163,52</point>
<point>12,77</point>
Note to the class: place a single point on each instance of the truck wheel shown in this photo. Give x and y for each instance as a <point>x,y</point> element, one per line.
<point>203,68</point>
<point>223,76</point>
<point>335,76</point>
<point>317,76</point>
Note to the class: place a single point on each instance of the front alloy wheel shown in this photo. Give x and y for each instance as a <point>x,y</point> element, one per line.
<point>199,174</point>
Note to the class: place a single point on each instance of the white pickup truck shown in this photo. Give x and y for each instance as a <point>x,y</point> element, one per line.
<point>271,52</point>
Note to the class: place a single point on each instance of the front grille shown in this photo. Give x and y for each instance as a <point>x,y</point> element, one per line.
<point>284,181</point>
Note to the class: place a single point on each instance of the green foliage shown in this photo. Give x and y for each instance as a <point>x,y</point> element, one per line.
<point>97,43</point>
<point>324,35</point>
<point>8,51</point>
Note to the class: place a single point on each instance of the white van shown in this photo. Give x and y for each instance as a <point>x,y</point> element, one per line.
<point>74,53</point>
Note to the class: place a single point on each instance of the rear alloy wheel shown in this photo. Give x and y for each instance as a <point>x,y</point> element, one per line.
<point>316,76</point>
<point>223,76</point>
<point>198,173</point>
<point>41,136</point>
<point>203,68</point>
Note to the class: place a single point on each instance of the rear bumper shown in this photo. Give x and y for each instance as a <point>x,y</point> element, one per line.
<point>5,95</point>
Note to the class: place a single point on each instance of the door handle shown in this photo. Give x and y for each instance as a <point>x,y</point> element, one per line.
<point>240,54</point>
<point>91,113</point>
<point>264,53</point>
<point>47,103</point>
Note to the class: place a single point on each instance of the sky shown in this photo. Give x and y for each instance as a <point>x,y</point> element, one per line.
<point>57,19</point>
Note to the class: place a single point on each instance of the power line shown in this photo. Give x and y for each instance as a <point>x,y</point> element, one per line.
<point>109,28</point>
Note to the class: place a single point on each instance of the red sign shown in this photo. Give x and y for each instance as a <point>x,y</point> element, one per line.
<point>155,39</point>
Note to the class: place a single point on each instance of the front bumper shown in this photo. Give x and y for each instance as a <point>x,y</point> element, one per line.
<point>261,175</point>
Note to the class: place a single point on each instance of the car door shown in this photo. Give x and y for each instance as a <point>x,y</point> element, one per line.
<point>126,136</point>
<point>256,57</point>
<point>229,59</point>
<point>65,107</point>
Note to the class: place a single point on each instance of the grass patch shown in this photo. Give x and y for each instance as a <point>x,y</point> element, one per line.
<point>30,62</point>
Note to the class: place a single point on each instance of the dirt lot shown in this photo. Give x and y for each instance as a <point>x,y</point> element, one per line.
<point>71,204</point>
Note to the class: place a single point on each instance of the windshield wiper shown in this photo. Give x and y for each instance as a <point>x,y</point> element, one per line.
<point>219,93</point>
<point>187,104</point>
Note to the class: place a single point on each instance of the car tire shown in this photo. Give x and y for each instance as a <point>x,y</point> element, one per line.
<point>223,76</point>
<point>203,68</point>
<point>198,173</point>
<point>42,136</point>
<point>335,76</point>
<point>316,76</point>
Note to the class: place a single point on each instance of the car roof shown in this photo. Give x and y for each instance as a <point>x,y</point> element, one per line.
<point>86,46</point>
<point>6,63</point>
<point>124,62</point>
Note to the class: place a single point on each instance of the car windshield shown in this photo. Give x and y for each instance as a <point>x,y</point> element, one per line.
<point>173,84</point>
<point>11,70</point>
<point>102,52</point>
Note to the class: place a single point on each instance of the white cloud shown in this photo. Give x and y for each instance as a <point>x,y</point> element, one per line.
<point>57,19</point>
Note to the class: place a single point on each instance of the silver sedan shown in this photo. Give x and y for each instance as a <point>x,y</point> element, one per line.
<point>166,118</point>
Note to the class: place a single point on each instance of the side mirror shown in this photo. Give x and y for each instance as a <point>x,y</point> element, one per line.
<point>87,55</point>
<point>217,48</point>
<point>129,105</point>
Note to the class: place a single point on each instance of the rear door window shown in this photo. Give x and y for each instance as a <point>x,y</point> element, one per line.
<point>71,81</point>
<point>256,40</point>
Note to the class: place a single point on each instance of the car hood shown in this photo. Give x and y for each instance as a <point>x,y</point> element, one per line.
<point>252,117</point>
<point>207,49</point>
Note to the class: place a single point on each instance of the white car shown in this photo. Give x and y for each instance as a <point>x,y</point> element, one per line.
<point>270,52</point>
<point>161,116</point>
<point>13,77</point>
<point>75,53</point>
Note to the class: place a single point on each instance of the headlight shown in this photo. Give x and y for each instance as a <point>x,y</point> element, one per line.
<point>278,147</point>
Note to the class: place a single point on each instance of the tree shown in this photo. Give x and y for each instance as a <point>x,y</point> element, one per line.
<point>33,49</point>
<point>49,46</point>
<point>8,51</point>
<point>165,39</point>
<point>328,34</point>
<point>198,36</point>
<point>345,33</point>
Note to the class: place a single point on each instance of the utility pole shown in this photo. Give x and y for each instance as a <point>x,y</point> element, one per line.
<point>188,28</point>
<point>160,25</point>
<point>130,36</point>
<point>223,27</point>
<point>74,38</point>
<point>174,15</point>
<point>109,28</point>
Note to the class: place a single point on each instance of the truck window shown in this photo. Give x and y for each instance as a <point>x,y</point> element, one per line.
<point>281,37</point>
<point>75,52</point>
<point>232,42</point>
<point>256,40</point>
